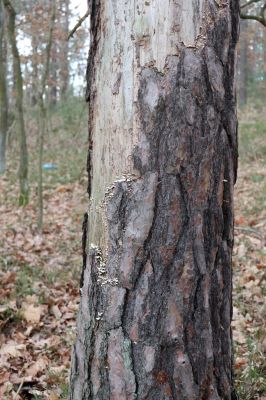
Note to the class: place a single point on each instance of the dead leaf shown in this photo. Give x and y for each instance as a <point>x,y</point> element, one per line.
<point>240,362</point>
<point>253,222</point>
<point>68,315</point>
<point>12,349</point>
<point>8,278</point>
<point>58,370</point>
<point>4,308</point>
<point>242,250</point>
<point>29,330</point>
<point>2,391</point>
<point>37,367</point>
<point>56,312</point>
<point>64,188</point>
<point>54,341</point>
<point>240,220</point>
<point>239,337</point>
<point>31,299</point>
<point>4,377</point>
<point>32,313</point>
<point>54,396</point>
<point>264,346</point>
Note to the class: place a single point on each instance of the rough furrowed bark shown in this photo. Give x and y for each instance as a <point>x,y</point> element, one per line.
<point>155,312</point>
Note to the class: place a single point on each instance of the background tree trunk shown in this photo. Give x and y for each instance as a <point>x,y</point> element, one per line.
<point>264,53</point>
<point>23,164</point>
<point>34,88</point>
<point>3,94</point>
<point>42,112</point>
<point>54,78</point>
<point>64,62</point>
<point>155,312</point>
<point>243,60</point>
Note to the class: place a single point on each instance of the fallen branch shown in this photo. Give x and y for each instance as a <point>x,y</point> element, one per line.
<point>19,389</point>
<point>250,230</point>
<point>78,24</point>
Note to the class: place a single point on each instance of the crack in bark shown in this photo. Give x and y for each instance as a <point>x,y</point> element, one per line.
<point>95,324</point>
<point>123,318</point>
<point>84,247</point>
<point>90,76</point>
<point>147,242</point>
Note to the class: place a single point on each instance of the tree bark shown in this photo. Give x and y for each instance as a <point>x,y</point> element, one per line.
<point>34,88</point>
<point>156,302</point>
<point>64,63</point>
<point>42,112</point>
<point>3,94</point>
<point>54,78</point>
<point>23,163</point>
<point>264,56</point>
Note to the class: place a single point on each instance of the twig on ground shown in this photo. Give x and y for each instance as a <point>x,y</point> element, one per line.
<point>19,389</point>
<point>250,230</point>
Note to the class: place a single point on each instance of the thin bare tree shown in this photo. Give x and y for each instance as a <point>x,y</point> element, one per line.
<point>23,164</point>
<point>42,112</point>
<point>3,92</point>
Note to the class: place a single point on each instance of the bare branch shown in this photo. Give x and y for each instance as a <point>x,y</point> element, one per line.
<point>260,17</point>
<point>255,18</point>
<point>249,3</point>
<point>78,24</point>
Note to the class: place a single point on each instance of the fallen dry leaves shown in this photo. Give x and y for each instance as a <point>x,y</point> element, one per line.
<point>249,314</point>
<point>39,292</point>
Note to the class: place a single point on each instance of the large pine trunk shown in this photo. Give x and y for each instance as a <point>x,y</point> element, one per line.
<point>155,310</point>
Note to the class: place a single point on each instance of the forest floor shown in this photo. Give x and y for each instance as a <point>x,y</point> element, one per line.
<point>39,274</point>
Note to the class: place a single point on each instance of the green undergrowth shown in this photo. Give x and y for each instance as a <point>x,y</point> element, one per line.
<point>28,277</point>
<point>59,380</point>
<point>251,383</point>
<point>252,134</point>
